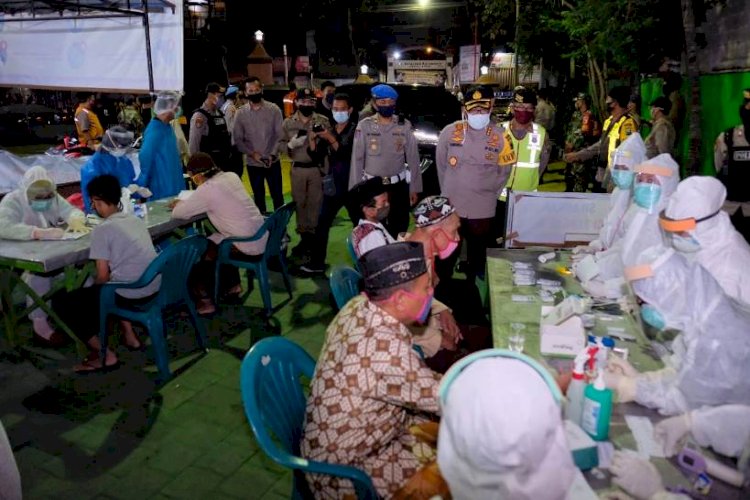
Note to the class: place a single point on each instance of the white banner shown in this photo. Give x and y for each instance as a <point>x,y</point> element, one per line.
<point>99,54</point>
<point>468,63</point>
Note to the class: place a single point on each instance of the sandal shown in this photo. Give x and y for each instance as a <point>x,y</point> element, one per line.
<point>92,364</point>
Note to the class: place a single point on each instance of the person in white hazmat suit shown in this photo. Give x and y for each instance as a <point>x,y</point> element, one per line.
<point>696,226</point>
<point>709,363</point>
<point>627,156</point>
<point>655,181</point>
<point>35,211</point>
<point>486,451</point>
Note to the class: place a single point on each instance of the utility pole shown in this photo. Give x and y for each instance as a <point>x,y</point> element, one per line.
<point>518,16</point>
<point>477,51</point>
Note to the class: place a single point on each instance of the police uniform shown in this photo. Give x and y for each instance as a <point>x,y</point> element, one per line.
<point>732,163</point>
<point>387,148</point>
<point>209,134</point>
<point>307,173</point>
<point>473,166</point>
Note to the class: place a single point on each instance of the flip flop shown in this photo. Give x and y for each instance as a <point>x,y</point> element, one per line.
<point>89,368</point>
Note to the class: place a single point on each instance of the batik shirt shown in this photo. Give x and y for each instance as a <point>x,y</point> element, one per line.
<point>368,388</point>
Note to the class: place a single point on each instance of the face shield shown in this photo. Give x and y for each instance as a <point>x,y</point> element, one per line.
<point>167,102</point>
<point>117,140</point>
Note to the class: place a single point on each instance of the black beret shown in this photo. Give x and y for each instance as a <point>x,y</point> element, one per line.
<point>362,194</point>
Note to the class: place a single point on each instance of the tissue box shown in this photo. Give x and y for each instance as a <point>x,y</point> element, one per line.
<point>566,339</point>
<point>583,448</point>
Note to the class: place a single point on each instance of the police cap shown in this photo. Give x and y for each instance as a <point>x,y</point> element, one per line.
<point>214,88</point>
<point>384,91</point>
<point>524,96</point>
<point>478,97</point>
<point>391,265</point>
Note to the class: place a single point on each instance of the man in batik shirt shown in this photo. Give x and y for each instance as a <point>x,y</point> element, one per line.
<point>369,384</point>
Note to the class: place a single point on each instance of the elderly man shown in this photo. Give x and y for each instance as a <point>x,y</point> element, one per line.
<point>369,382</point>
<point>161,167</point>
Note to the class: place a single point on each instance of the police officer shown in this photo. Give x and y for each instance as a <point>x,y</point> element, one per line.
<point>474,160</point>
<point>732,163</point>
<point>208,129</point>
<point>617,127</point>
<point>531,148</point>
<point>385,146</point>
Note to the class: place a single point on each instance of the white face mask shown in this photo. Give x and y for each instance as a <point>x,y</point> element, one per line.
<point>478,121</point>
<point>685,244</point>
<point>341,116</point>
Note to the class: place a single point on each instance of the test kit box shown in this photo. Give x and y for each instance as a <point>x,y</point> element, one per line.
<point>566,339</point>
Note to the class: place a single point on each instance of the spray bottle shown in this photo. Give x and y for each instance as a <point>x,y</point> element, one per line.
<point>597,409</point>
<point>574,406</point>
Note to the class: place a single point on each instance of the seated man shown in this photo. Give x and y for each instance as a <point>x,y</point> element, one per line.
<point>35,211</point>
<point>369,382</point>
<point>370,200</point>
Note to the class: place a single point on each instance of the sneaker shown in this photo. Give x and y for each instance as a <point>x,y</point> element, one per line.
<point>312,269</point>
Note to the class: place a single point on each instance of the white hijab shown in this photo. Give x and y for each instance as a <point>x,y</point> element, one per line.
<point>503,439</point>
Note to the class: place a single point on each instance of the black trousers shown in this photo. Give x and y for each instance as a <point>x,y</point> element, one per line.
<point>478,234</point>
<point>234,162</point>
<point>398,218</point>
<point>500,213</point>
<point>258,177</point>
<point>328,211</point>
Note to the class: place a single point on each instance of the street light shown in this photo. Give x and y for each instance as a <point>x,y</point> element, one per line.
<point>484,70</point>
<point>423,3</point>
<point>397,55</point>
<point>259,36</point>
<point>363,69</point>
<point>429,50</point>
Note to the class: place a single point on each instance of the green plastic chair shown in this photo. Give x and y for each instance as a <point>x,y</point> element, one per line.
<point>173,265</point>
<point>275,226</point>
<point>352,253</point>
<point>345,284</point>
<point>275,403</point>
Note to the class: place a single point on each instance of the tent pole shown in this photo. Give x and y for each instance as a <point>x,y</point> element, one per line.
<point>147,30</point>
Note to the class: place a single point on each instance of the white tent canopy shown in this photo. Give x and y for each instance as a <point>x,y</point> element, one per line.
<point>92,44</point>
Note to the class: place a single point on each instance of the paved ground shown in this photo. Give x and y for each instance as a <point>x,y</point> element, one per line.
<point>118,435</point>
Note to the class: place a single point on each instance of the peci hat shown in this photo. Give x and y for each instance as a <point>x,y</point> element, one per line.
<point>478,97</point>
<point>362,194</point>
<point>214,88</point>
<point>432,210</point>
<point>384,91</point>
<point>524,96</point>
<point>390,265</point>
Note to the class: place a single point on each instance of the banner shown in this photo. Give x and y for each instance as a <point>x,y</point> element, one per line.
<point>97,54</point>
<point>468,64</point>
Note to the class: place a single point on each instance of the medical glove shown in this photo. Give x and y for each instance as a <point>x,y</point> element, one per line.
<point>622,385</point>
<point>47,233</point>
<point>297,142</point>
<point>78,225</point>
<point>144,192</point>
<point>671,433</point>
<point>638,477</point>
<point>616,363</point>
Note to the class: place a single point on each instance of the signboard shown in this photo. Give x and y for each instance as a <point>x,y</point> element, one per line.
<point>103,53</point>
<point>468,63</point>
<point>420,65</point>
<point>421,76</point>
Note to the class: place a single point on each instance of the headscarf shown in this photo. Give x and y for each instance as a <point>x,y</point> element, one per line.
<point>502,440</point>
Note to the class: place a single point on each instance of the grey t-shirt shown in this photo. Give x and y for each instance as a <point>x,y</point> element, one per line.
<point>124,241</point>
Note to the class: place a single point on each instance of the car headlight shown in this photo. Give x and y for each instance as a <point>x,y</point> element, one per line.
<point>426,137</point>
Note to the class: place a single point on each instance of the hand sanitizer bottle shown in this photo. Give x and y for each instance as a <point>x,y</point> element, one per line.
<point>574,405</point>
<point>597,409</point>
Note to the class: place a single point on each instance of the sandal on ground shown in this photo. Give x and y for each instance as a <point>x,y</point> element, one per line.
<point>205,306</point>
<point>92,364</point>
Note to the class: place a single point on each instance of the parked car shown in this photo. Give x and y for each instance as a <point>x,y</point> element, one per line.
<point>429,109</point>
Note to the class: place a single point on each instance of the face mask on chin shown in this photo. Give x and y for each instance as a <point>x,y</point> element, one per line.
<point>255,98</point>
<point>424,310</point>
<point>448,249</point>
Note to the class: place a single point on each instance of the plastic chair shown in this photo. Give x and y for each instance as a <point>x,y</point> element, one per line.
<point>275,225</point>
<point>352,253</point>
<point>344,282</point>
<point>173,265</point>
<point>275,404</point>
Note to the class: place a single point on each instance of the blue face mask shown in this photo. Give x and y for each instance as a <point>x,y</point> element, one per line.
<point>41,205</point>
<point>623,179</point>
<point>646,195</point>
<point>386,111</point>
<point>685,244</point>
<point>341,116</point>
<point>426,308</point>
<point>651,316</point>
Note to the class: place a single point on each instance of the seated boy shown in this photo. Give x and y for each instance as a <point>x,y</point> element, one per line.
<point>122,249</point>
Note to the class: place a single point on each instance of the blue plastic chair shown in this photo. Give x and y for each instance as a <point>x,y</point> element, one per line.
<point>352,253</point>
<point>275,225</point>
<point>275,404</point>
<point>345,284</point>
<point>173,265</point>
